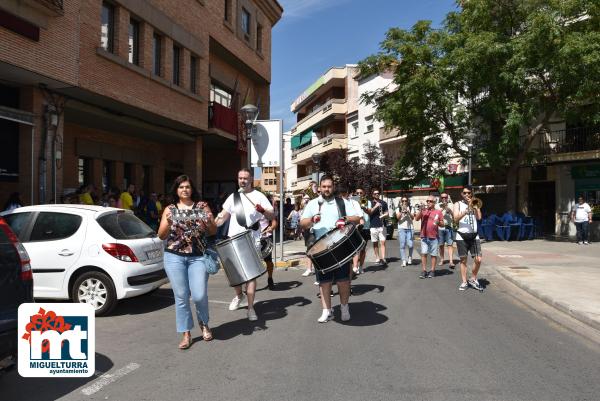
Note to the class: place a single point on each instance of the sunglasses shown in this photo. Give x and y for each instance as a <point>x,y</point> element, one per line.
<point>404,200</point>
<point>466,193</point>
<point>429,201</point>
<point>375,193</point>
<point>444,197</point>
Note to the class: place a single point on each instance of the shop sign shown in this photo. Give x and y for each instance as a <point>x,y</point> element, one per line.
<point>592,171</point>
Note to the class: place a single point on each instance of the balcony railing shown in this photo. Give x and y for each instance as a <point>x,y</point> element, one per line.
<point>570,140</point>
<point>223,118</point>
<point>387,133</point>
<point>323,141</point>
<point>52,7</point>
<point>325,108</point>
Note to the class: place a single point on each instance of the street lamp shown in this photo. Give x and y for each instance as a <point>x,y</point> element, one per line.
<point>316,158</point>
<point>249,114</point>
<point>470,135</point>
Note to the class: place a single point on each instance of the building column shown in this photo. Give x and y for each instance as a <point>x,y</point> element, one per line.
<point>96,174</point>
<point>117,175</point>
<point>192,162</point>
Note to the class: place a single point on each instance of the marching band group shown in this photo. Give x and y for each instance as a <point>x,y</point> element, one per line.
<point>336,225</point>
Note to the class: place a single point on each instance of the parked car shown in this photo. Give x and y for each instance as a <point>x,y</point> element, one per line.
<point>16,287</point>
<point>89,254</point>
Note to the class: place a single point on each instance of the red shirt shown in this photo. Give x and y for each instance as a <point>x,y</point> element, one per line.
<point>429,228</point>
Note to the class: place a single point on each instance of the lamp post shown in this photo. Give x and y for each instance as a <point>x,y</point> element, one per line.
<point>249,114</point>
<point>316,158</point>
<point>470,137</point>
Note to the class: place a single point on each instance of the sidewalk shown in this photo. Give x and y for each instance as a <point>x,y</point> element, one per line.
<point>563,275</point>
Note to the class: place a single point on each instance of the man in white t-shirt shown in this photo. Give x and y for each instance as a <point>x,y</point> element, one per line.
<point>582,217</point>
<point>256,206</point>
<point>322,214</point>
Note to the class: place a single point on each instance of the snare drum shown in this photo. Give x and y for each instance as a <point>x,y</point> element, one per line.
<point>336,248</point>
<point>240,258</point>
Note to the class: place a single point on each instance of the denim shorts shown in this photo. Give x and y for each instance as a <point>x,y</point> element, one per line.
<point>339,274</point>
<point>429,246</point>
<point>445,236</point>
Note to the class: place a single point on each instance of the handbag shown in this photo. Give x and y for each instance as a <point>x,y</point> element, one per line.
<point>213,263</point>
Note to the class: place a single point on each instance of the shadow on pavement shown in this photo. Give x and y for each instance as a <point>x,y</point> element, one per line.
<point>283,286</point>
<point>483,282</point>
<point>15,388</point>
<point>364,313</point>
<point>361,289</point>
<point>375,268</point>
<point>160,298</point>
<point>443,272</point>
<point>270,309</point>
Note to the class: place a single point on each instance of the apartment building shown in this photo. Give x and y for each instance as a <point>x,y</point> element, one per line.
<point>127,91</point>
<point>321,121</point>
<point>269,180</point>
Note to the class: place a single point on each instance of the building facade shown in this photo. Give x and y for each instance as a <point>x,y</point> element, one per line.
<point>123,91</point>
<point>321,120</point>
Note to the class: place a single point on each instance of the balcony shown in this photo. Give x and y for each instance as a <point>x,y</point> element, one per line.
<point>55,6</point>
<point>329,143</point>
<point>223,119</point>
<point>389,135</point>
<point>571,144</point>
<point>333,109</point>
<point>301,182</point>
<point>335,76</point>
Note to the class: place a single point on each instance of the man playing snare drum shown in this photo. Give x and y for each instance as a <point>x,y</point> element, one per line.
<point>323,215</point>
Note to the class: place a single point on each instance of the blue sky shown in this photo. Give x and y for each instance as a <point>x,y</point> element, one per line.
<point>314,35</point>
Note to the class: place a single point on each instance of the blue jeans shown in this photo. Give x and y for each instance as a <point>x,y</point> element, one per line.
<point>429,246</point>
<point>405,238</point>
<point>188,276</point>
<point>582,231</point>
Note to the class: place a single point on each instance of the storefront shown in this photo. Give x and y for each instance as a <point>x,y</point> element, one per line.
<point>587,184</point>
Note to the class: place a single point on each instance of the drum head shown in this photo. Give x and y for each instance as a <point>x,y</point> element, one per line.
<point>329,240</point>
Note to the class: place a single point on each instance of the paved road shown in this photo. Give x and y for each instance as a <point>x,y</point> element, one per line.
<point>408,339</point>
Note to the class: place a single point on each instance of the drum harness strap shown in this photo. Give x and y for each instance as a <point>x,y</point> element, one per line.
<point>240,215</point>
<point>341,206</point>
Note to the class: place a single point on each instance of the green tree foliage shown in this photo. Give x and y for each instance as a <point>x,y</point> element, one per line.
<point>502,68</point>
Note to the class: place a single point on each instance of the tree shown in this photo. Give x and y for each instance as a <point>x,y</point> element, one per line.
<point>503,68</point>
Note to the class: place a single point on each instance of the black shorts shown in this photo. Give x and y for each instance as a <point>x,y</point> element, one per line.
<point>268,259</point>
<point>465,247</point>
<point>366,234</point>
<point>339,274</point>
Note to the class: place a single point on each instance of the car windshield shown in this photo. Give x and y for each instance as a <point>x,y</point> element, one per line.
<point>125,226</point>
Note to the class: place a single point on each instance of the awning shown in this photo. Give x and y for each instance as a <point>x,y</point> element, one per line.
<point>301,139</point>
<point>449,182</point>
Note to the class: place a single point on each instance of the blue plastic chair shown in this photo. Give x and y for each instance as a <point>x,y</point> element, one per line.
<point>515,227</point>
<point>503,227</point>
<point>487,227</point>
<point>526,226</point>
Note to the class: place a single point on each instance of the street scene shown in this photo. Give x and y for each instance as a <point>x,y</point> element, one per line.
<point>299,199</point>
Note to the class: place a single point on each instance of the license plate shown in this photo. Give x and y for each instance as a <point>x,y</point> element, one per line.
<point>153,254</point>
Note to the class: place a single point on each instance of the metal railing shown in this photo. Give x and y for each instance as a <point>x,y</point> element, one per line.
<point>323,141</point>
<point>324,108</point>
<point>54,5</point>
<point>570,140</point>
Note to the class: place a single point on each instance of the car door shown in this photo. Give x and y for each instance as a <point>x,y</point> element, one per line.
<point>54,245</point>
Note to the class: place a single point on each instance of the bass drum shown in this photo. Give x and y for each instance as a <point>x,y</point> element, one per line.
<point>336,248</point>
<point>240,258</point>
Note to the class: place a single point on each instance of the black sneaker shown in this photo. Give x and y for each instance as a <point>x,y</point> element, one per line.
<point>452,266</point>
<point>431,274</point>
<point>270,283</point>
<point>423,274</point>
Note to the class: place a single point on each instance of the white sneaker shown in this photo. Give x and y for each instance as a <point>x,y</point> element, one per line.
<point>585,243</point>
<point>307,273</point>
<point>360,270</point>
<point>580,243</point>
<point>345,312</point>
<point>237,303</point>
<point>325,316</point>
<point>356,270</point>
<point>252,315</point>
<point>409,260</point>
<point>404,263</point>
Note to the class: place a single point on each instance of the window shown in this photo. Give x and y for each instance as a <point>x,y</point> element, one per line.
<point>259,38</point>
<point>246,23</point>
<point>176,64</point>
<point>18,222</point>
<point>354,133</point>
<point>134,42</point>
<point>107,27</point>
<point>369,128</point>
<point>84,171</point>
<point>127,175</point>
<point>107,169</point>
<point>193,74</point>
<point>125,226</point>
<point>220,95</point>
<point>227,14</point>
<point>51,226</point>
<point>156,54</point>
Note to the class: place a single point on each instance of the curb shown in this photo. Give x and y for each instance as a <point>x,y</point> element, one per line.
<point>549,301</point>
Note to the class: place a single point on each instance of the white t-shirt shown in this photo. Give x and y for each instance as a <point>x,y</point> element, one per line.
<point>581,212</point>
<point>406,220</point>
<point>329,214</point>
<point>468,224</point>
<point>252,216</point>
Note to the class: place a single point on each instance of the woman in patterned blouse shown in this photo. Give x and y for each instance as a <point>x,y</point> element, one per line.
<point>185,256</point>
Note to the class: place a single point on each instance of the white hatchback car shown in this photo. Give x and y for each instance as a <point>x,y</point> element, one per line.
<point>89,254</point>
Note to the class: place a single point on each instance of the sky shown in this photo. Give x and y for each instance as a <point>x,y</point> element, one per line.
<point>315,35</point>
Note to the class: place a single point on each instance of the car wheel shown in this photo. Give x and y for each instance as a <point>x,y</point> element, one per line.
<point>97,289</point>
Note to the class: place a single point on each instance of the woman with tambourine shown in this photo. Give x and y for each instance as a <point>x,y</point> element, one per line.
<point>185,225</point>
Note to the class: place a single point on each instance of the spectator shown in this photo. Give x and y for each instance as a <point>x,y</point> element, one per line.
<point>13,202</point>
<point>126,198</point>
<point>582,217</point>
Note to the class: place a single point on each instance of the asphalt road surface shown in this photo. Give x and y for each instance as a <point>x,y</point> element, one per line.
<point>408,339</point>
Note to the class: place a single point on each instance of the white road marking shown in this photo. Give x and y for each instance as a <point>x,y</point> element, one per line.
<point>219,302</point>
<point>510,256</point>
<point>108,378</point>
<point>210,300</point>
